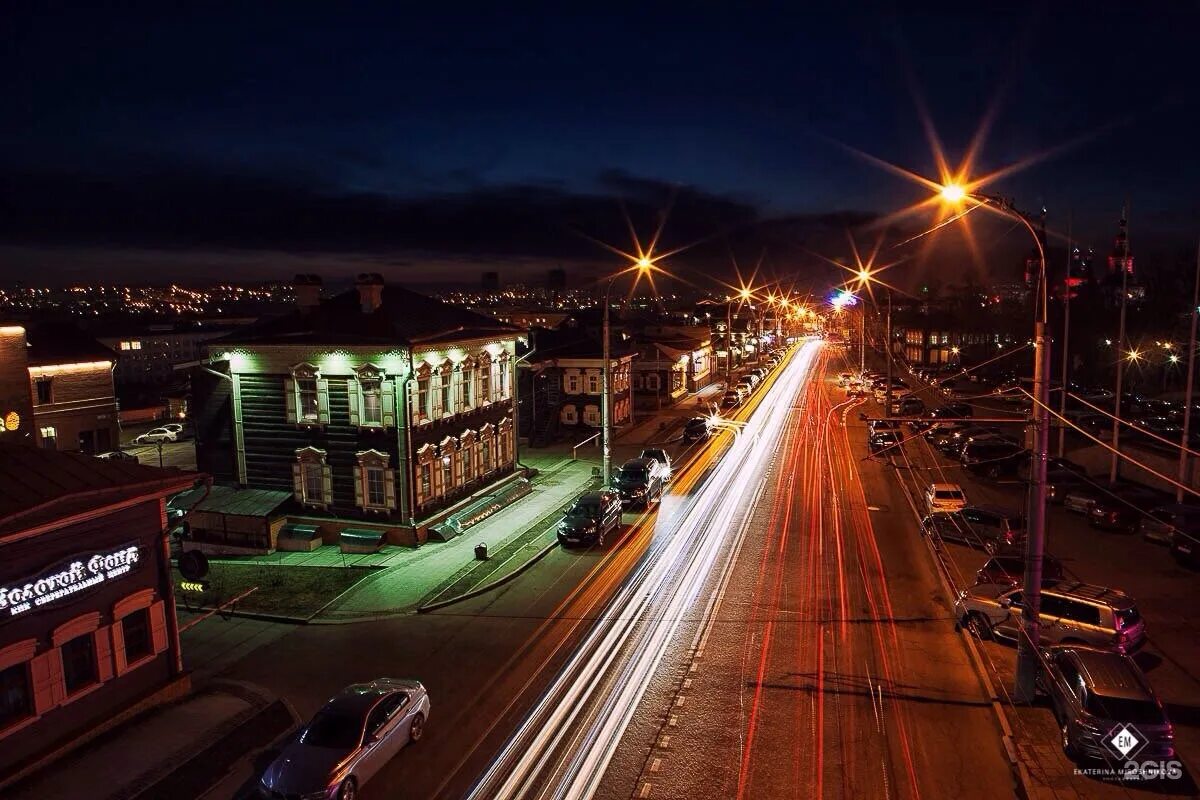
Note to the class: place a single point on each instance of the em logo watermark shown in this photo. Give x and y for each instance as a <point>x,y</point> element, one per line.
<point>1124,743</point>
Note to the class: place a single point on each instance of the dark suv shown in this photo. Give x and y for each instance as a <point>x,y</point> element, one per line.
<point>994,458</point>
<point>1094,692</point>
<point>640,482</point>
<point>594,515</point>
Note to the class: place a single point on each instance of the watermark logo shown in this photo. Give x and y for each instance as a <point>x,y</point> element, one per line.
<point>1125,741</point>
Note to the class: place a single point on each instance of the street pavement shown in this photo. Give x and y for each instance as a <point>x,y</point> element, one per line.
<point>1163,590</point>
<point>830,666</point>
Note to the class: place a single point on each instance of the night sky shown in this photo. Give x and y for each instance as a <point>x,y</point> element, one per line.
<point>249,141</point>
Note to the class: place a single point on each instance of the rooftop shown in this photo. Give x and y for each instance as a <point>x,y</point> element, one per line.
<point>403,317</point>
<point>39,486</point>
<point>63,343</point>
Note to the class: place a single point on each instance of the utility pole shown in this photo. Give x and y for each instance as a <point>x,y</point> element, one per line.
<point>605,390</point>
<point>728,342</point>
<point>1187,403</point>
<point>887,405</point>
<point>1115,463</point>
<point>1066,360</point>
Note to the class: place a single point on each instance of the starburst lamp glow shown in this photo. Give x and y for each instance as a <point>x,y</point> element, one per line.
<point>953,193</point>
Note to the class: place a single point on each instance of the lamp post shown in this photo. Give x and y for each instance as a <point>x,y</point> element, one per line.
<point>1035,542</point>
<point>642,265</point>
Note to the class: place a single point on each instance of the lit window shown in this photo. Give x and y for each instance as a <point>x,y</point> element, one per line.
<point>593,383</point>
<point>309,403</point>
<point>372,403</point>
<point>314,489</point>
<point>49,437</point>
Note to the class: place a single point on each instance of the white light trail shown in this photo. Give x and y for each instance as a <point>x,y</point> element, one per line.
<point>564,745</point>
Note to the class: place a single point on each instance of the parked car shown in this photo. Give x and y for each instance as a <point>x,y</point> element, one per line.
<point>985,529</point>
<point>731,399</point>
<point>594,515</point>
<point>1081,498</point>
<point>350,739</point>
<point>664,461</point>
<point>879,425</point>
<point>1185,548</point>
<point>1061,481</point>
<point>1071,613</point>
<point>1092,692</point>
<point>639,482</point>
<point>908,406</point>
<point>1008,566</point>
<point>995,458</point>
<point>943,497</point>
<point>118,455</point>
<point>156,436</point>
<point>743,391</point>
<point>1122,509</point>
<point>888,441</point>
<point>173,427</point>
<point>1160,523</point>
<point>697,428</point>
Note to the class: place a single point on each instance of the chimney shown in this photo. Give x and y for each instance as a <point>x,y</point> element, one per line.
<point>370,291</point>
<point>308,291</point>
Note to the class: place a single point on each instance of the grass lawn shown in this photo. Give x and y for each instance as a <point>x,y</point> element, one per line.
<point>290,591</point>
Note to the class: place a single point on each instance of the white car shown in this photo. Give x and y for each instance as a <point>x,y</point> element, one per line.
<point>174,427</point>
<point>348,741</point>
<point>157,436</point>
<point>664,461</point>
<point>945,498</point>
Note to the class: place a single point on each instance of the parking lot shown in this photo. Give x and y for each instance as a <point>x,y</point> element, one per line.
<point>1163,590</point>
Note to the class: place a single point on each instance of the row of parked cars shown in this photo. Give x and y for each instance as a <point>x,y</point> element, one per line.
<point>740,392</point>
<point>1088,632</point>
<point>639,482</point>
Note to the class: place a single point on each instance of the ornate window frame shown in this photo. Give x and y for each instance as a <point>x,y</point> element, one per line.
<point>309,459</point>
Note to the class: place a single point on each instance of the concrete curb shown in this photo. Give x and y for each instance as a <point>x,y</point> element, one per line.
<point>487,587</point>
<point>1025,787</point>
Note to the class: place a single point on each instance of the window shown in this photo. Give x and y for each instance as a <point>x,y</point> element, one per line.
<point>374,484</point>
<point>591,415</point>
<point>49,437</point>
<point>426,484</point>
<point>569,415</point>
<point>502,377</point>
<point>447,474</point>
<point>593,383</point>
<point>468,386</point>
<point>372,402</point>
<point>486,453</point>
<point>307,396</point>
<point>79,663</point>
<point>16,694</point>
<point>573,384</point>
<point>422,410</point>
<point>312,478</point>
<point>135,629</point>
<point>444,399</point>
<point>133,344</point>
<point>485,383</point>
<point>309,404</point>
<point>457,385</point>
<point>652,382</point>
<point>44,394</point>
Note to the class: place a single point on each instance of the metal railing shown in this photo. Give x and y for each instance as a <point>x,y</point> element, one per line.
<point>575,449</point>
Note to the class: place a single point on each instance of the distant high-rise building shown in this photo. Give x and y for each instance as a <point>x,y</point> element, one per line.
<point>1121,257</point>
<point>556,280</point>
<point>491,282</point>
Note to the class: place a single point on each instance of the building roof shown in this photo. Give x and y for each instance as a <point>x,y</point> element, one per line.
<point>39,486</point>
<point>575,343</point>
<point>63,343</point>
<point>404,317</point>
<point>232,500</point>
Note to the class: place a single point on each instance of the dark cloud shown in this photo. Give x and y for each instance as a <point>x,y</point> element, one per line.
<point>152,204</point>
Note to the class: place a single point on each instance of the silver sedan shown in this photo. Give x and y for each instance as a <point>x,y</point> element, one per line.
<point>358,731</point>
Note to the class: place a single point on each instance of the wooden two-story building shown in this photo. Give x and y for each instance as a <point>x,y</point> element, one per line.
<point>377,407</point>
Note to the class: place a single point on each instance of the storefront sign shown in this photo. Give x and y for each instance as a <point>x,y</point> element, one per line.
<point>66,579</point>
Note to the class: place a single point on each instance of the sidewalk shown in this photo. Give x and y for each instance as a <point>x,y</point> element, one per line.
<point>413,576</point>
<point>173,751</point>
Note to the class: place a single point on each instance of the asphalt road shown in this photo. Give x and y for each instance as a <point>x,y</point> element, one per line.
<point>486,662</point>
<point>830,666</point>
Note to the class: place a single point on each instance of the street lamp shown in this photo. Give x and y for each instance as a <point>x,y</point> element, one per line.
<point>643,265</point>
<point>1035,542</point>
